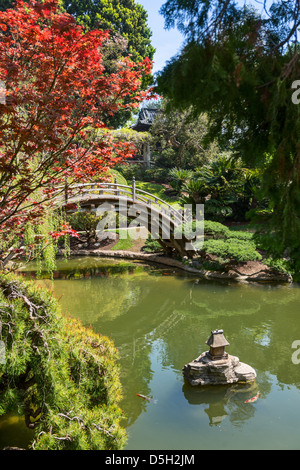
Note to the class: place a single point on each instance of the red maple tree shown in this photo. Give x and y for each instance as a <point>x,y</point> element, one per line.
<point>57,96</point>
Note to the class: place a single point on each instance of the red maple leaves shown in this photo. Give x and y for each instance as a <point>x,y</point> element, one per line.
<point>65,229</point>
<point>58,95</point>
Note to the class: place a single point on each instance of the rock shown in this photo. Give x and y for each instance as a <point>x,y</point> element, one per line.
<point>12,448</point>
<point>205,371</point>
<point>244,373</point>
<point>196,264</point>
<point>265,276</point>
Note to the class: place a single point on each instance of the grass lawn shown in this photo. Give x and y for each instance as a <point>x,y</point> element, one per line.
<point>123,243</point>
<point>157,190</point>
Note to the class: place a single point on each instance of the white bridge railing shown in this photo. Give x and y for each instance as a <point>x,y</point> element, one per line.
<point>101,191</point>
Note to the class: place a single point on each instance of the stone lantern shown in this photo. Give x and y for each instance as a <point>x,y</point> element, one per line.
<point>217,343</point>
<point>217,367</point>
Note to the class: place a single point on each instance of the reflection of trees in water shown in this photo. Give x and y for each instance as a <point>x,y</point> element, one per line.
<point>260,322</point>
<point>182,313</point>
<point>135,309</point>
<point>135,334</point>
<point>91,301</point>
<point>14,429</point>
<point>225,401</point>
<point>136,375</point>
<point>97,294</point>
<point>136,364</point>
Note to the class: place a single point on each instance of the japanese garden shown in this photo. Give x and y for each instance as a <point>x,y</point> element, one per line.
<point>149,227</point>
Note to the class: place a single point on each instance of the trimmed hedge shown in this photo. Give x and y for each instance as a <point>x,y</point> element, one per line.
<point>232,250</point>
<point>239,235</point>
<point>212,229</point>
<point>215,229</point>
<point>228,246</point>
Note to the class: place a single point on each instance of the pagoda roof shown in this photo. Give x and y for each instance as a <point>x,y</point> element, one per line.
<point>145,119</point>
<point>217,339</point>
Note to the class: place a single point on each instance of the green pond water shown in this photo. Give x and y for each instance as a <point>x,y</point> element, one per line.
<point>159,320</point>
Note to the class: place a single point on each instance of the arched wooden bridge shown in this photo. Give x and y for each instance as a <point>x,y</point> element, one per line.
<point>155,214</point>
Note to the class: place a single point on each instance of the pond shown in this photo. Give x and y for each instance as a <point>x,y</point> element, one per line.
<point>159,319</point>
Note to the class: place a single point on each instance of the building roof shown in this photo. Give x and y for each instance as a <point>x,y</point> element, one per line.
<point>145,119</point>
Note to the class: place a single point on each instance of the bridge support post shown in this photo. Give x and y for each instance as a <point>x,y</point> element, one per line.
<point>133,188</point>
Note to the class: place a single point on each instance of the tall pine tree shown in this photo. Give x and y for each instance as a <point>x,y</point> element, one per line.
<point>239,65</point>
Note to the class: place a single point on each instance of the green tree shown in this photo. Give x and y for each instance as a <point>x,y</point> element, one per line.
<point>179,137</point>
<point>124,17</point>
<point>4,4</point>
<point>239,65</point>
<point>129,35</point>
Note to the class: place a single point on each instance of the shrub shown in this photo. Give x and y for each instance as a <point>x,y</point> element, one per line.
<point>228,246</point>
<point>152,245</point>
<point>232,249</point>
<point>211,229</point>
<point>217,210</point>
<point>215,230</point>
<point>58,372</point>
<point>281,265</point>
<point>84,221</point>
<point>179,177</point>
<point>239,235</point>
<point>129,171</point>
<point>157,175</point>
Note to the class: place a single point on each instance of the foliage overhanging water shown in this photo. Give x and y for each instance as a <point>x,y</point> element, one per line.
<point>159,320</point>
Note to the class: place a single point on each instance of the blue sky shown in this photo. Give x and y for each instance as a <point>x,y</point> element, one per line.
<point>166,42</point>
